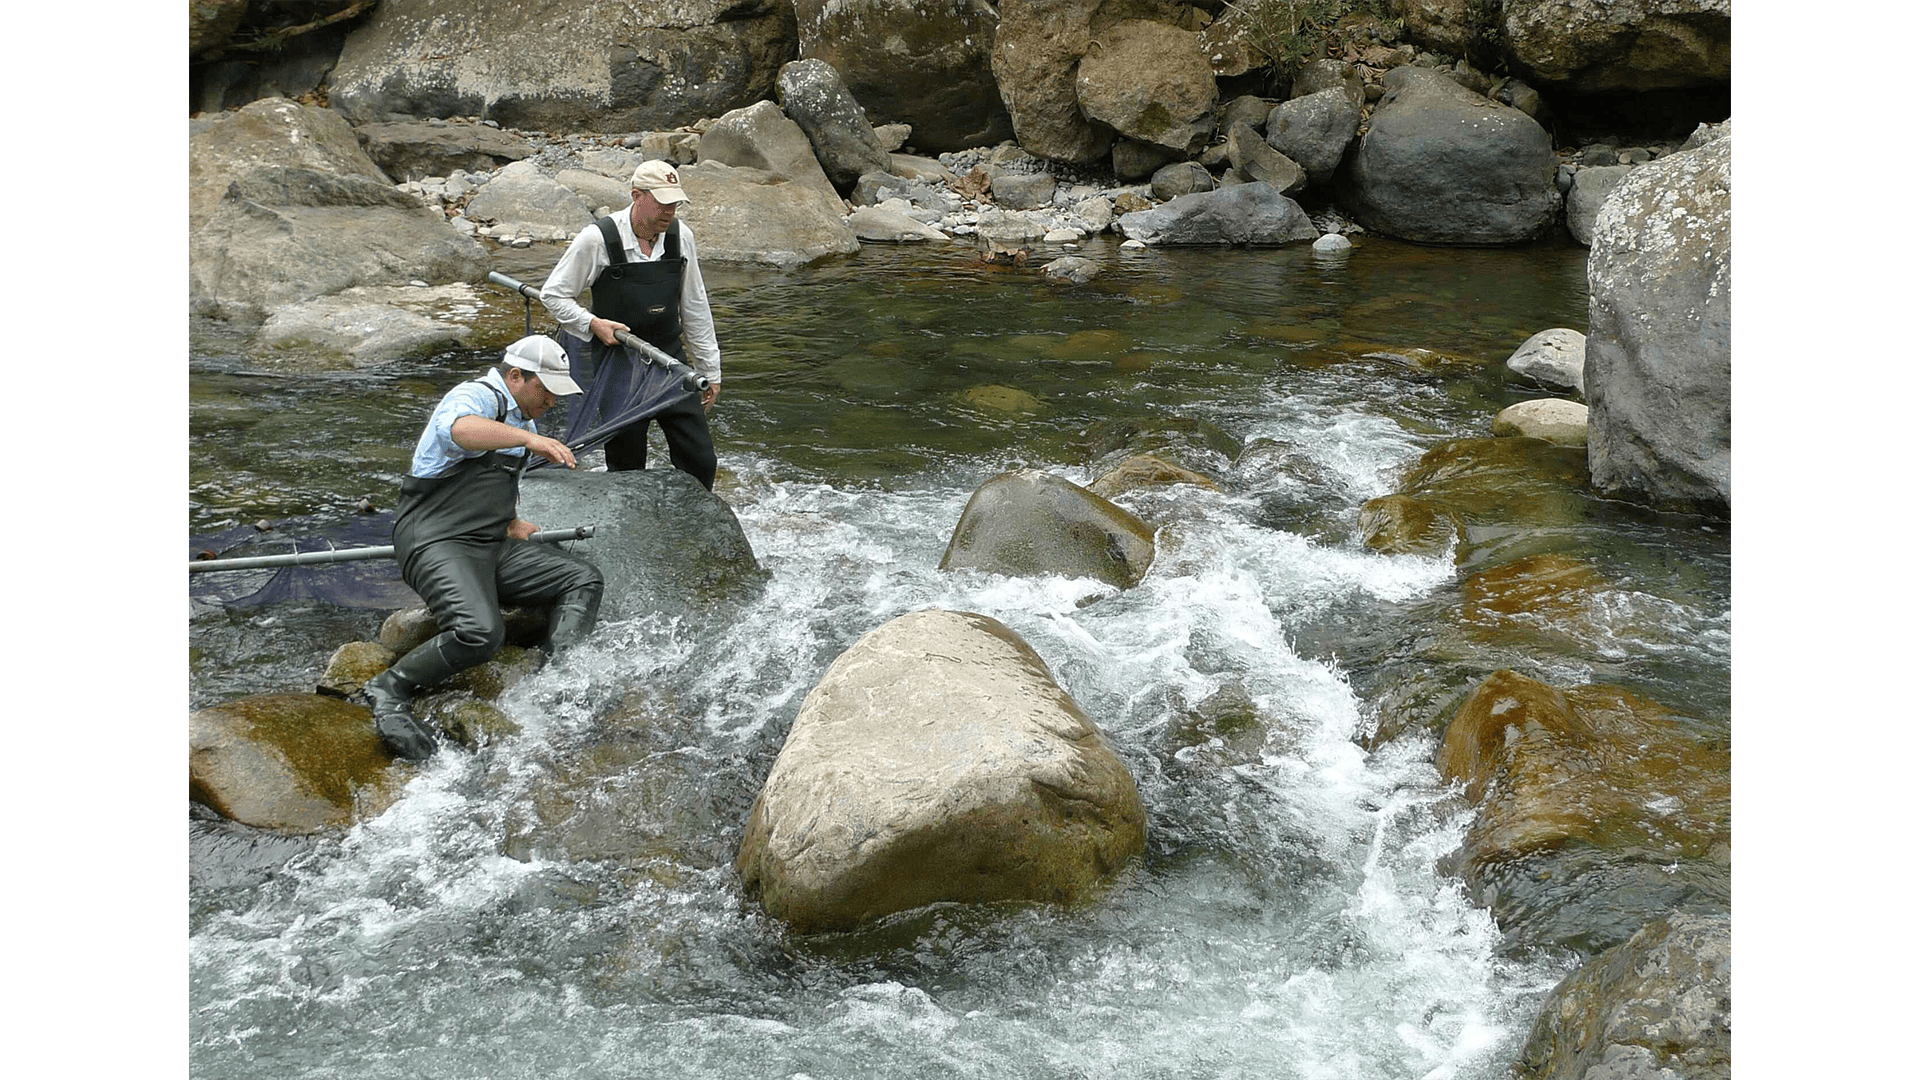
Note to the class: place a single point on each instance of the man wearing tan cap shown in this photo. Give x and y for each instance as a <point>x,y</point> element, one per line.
<point>645,275</point>
<point>462,546</point>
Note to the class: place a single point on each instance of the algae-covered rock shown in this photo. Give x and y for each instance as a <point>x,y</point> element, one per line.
<point>292,763</point>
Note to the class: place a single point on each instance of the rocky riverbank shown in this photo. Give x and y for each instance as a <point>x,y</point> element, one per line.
<point>354,226</point>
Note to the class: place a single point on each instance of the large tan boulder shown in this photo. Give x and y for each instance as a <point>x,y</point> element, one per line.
<point>1149,81</point>
<point>1037,48</point>
<point>291,763</point>
<point>937,760</point>
<point>1030,523</point>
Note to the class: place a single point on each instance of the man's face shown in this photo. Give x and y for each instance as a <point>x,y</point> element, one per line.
<point>532,395</point>
<point>651,218</point>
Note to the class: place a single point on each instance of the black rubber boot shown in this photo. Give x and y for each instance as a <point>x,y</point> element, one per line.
<point>390,695</point>
<point>573,618</point>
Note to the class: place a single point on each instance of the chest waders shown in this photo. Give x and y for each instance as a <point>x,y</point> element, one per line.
<point>450,538</point>
<point>645,295</point>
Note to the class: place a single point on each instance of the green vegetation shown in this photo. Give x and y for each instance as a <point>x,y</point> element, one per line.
<point>1290,34</point>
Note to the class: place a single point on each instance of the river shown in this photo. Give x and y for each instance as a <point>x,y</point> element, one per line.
<point>1287,920</point>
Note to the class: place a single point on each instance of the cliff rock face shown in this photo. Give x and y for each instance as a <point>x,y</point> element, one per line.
<point>1596,46</point>
<point>576,65</point>
<point>1659,374</point>
<point>926,63</point>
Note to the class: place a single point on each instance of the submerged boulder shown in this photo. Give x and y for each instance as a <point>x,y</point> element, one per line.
<point>291,763</point>
<point>1657,1005</point>
<point>1029,523</point>
<point>1582,793</point>
<point>937,760</point>
<point>1659,374</point>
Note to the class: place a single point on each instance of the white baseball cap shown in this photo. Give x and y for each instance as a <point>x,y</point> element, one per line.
<point>544,357</point>
<point>660,179</point>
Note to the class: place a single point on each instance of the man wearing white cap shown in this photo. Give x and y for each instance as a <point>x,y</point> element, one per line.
<point>460,544</point>
<point>645,275</point>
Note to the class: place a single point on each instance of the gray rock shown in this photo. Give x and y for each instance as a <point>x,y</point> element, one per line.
<point>1590,188</point>
<point>1255,160</point>
<point>525,65</point>
<point>374,324</point>
<point>1659,353</point>
<point>1519,95</point>
<point>760,136</point>
<point>1555,358</point>
<point>273,134</point>
<point>1149,81</point>
<point>1332,243</point>
<point>1096,213</point>
<point>1707,133</point>
<point>1030,523</point>
<point>596,190</point>
<point>666,546</point>
<point>414,149</point>
<point>1255,213</point>
<point>1442,165</point>
<point>285,235</point>
<point>889,226</point>
<point>1660,1005</point>
<point>1023,191</point>
<point>523,200</point>
<point>1135,160</point>
<point>925,64</point>
<point>1330,75</point>
<point>1246,109</point>
<point>814,97</point>
<point>1071,270</point>
<point>1180,178</point>
<point>1315,131</point>
<point>937,760</point>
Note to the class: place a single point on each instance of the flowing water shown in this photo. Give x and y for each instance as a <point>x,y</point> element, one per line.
<point>1287,919</point>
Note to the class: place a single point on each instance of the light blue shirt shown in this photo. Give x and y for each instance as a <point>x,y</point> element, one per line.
<point>437,452</point>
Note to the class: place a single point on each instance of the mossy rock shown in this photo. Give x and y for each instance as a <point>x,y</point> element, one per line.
<point>352,664</point>
<point>290,763</point>
<point>1403,525</point>
<point>1144,471</point>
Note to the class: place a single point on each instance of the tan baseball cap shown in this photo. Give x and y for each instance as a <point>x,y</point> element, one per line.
<point>660,179</point>
<point>541,355</point>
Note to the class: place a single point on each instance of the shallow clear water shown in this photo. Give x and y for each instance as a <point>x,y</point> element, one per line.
<point>1287,919</point>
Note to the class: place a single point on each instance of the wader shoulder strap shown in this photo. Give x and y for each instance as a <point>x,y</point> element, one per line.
<point>616,251</point>
<point>672,247</point>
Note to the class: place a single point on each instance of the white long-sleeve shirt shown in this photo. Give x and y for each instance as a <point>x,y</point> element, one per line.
<point>586,257</point>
